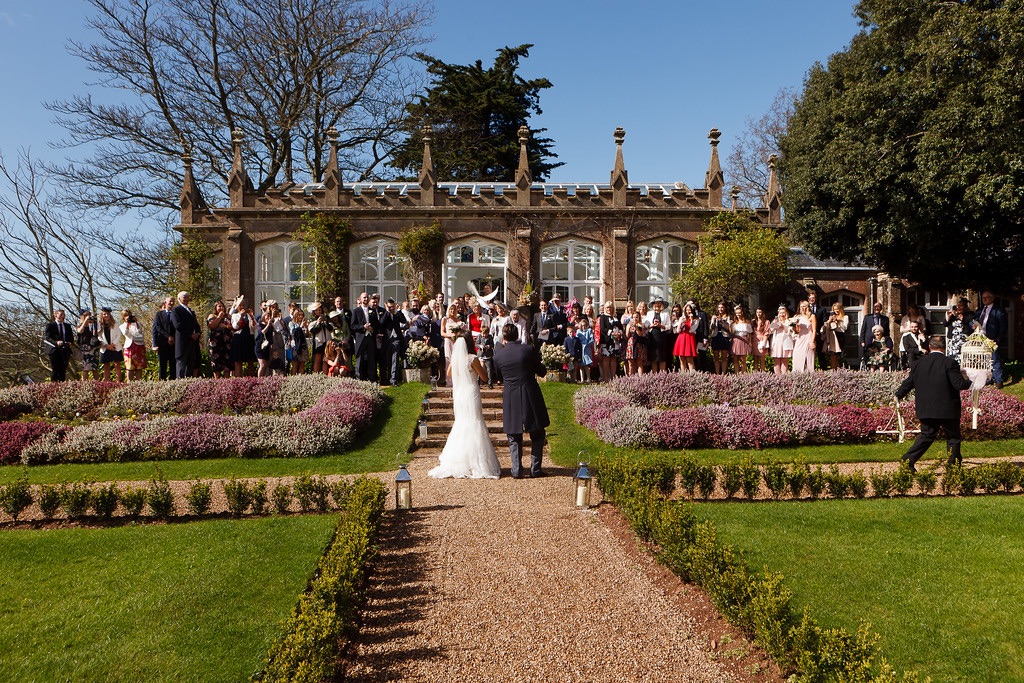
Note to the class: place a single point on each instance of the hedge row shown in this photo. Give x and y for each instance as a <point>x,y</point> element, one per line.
<point>797,480</point>
<point>82,500</point>
<point>324,619</point>
<point>757,604</point>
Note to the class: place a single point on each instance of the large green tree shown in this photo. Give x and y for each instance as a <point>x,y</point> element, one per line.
<point>476,114</point>
<point>907,149</point>
<point>736,257</point>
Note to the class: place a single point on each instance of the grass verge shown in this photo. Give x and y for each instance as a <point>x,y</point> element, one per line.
<point>937,578</point>
<point>373,451</point>
<point>201,601</point>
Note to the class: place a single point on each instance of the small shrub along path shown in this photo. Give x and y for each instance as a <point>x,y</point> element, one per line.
<point>505,580</point>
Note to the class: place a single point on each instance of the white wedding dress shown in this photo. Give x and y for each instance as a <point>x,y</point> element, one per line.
<point>468,453</point>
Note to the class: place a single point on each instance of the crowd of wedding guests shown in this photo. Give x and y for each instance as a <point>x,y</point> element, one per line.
<point>369,340</point>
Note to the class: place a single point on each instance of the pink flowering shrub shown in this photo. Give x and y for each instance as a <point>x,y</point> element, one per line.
<point>234,395</point>
<point>15,436</point>
<point>321,415</point>
<point>14,402</point>
<point>765,410</point>
<point>683,390</point>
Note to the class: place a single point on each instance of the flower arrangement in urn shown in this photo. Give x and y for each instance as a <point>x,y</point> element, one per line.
<point>553,356</point>
<point>420,354</point>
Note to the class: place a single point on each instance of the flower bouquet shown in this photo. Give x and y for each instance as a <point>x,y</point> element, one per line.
<point>458,329</point>
<point>553,356</point>
<point>794,328</point>
<point>420,354</point>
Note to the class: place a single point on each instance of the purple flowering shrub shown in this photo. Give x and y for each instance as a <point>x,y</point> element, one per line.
<point>684,390</point>
<point>1002,415</point>
<point>15,436</point>
<point>233,395</point>
<point>14,402</point>
<point>765,410</point>
<point>320,416</point>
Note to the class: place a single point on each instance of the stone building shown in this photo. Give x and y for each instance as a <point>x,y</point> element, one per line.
<point>617,240</point>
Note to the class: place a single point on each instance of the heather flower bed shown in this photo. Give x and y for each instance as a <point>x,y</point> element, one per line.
<point>759,410</point>
<point>301,416</point>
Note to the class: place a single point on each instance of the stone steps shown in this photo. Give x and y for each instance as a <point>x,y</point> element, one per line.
<point>440,417</point>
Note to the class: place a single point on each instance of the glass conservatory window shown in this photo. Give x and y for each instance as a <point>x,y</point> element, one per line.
<point>376,267</point>
<point>571,269</point>
<point>284,272</point>
<point>657,262</point>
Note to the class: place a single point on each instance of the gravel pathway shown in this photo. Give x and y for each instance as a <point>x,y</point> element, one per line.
<point>503,580</point>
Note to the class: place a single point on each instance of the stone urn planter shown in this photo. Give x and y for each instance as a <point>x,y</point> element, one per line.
<point>417,375</point>
<point>555,376</point>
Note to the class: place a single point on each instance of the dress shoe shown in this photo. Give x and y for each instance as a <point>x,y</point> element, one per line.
<point>999,385</point>
<point>534,475</point>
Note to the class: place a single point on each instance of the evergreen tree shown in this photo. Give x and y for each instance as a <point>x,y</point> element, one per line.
<point>476,114</point>
<point>906,150</point>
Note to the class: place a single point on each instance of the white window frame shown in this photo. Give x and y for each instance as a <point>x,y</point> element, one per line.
<point>656,257</point>
<point>289,285</point>
<point>560,264</point>
<point>381,255</point>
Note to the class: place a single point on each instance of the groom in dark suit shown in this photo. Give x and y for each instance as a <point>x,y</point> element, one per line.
<point>523,405</point>
<point>937,382</point>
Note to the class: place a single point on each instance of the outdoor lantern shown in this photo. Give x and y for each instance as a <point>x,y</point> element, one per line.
<point>581,485</point>
<point>403,489</point>
<point>423,429</point>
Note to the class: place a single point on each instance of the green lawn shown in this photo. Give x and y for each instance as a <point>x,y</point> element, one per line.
<point>939,579</point>
<point>178,602</point>
<point>374,451</point>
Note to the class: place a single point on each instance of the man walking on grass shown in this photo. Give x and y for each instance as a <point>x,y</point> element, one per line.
<point>937,381</point>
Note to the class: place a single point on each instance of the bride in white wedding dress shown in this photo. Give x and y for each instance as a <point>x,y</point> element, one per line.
<point>468,453</point>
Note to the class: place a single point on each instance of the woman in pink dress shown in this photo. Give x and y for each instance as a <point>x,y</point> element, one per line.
<point>803,348</point>
<point>782,340</point>
<point>742,337</point>
<point>685,348</point>
<point>762,339</point>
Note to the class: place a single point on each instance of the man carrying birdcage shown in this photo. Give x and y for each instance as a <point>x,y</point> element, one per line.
<point>937,382</point>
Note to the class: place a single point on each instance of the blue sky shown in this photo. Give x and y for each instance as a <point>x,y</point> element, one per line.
<point>666,71</point>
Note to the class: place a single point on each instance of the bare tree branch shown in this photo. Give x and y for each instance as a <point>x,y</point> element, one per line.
<point>747,163</point>
<point>284,71</point>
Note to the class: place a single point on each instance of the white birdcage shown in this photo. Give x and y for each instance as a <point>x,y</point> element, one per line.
<point>976,361</point>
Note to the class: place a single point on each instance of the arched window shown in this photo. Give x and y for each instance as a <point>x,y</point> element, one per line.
<point>284,272</point>
<point>571,268</point>
<point>475,260</point>
<point>376,267</point>
<point>657,262</point>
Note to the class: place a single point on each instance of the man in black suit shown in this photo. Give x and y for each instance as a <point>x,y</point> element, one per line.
<point>937,382</point>
<point>186,336</point>
<point>993,323</point>
<point>60,337</point>
<point>523,407</point>
<point>365,326</point>
<point>876,318</point>
<point>392,328</point>
<point>543,329</point>
<point>163,338</point>
<point>561,320</point>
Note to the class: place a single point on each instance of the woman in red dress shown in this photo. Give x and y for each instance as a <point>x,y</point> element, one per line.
<point>685,348</point>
